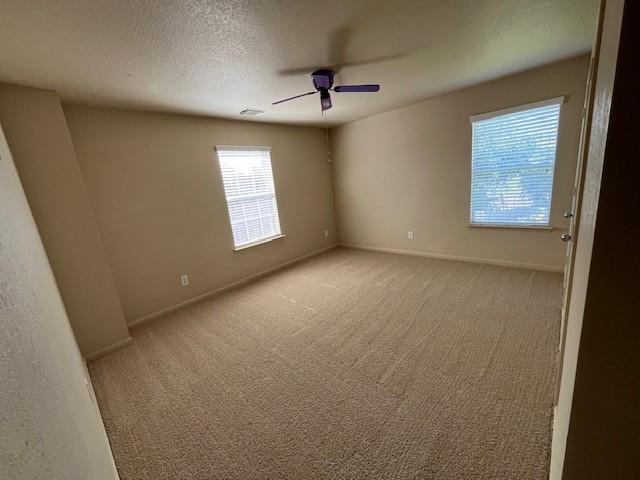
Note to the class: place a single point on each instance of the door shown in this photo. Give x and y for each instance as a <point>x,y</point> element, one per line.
<point>589,175</point>
<point>570,236</point>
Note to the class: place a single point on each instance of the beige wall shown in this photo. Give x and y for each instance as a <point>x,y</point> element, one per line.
<point>49,422</point>
<point>155,186</point>
<point>37,133</point>
<point>409,169</point>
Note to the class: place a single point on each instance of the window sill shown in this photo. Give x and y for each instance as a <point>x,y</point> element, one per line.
<point>547,228</point>
<point>260,242</point>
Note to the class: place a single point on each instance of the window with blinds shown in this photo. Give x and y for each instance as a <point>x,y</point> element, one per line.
<point>250,192</point>
<point>512,165</point>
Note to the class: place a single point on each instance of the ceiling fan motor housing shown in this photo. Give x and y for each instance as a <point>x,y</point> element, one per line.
<point>323,79</point>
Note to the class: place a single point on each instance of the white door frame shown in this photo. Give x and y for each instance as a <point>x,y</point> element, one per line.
<point>576,201</point>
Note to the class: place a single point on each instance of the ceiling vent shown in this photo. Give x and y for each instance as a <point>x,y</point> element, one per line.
<point>251,112</point>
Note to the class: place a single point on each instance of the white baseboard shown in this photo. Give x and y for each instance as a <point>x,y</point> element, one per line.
<point>147,318</point>
<point>111,348</point>
<point>255,276</point>
<point>458,258</point>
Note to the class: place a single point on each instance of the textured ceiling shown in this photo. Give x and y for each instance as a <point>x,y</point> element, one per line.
<point>218,57</point>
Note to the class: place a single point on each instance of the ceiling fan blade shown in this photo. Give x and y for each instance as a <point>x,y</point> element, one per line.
<point>336,67</point>
<point>293,98</point>
<point>356,88</point>
<point>339,40</point>
<point>300,71</point>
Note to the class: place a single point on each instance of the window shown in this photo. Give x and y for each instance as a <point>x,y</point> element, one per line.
<point>251,197</point>
<point>512,163</point>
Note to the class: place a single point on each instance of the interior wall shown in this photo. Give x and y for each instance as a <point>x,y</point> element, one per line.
<point>409,170</point>
<point>154,183</point>
<point>49,422</point>
<point>37,133</point>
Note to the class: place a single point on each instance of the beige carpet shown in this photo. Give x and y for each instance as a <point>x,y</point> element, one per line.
<point>350,365</point>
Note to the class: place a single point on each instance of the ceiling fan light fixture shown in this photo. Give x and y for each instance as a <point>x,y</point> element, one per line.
<point>325,99</point>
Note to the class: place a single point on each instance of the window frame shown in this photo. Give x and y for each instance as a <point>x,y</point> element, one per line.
<point>506,111</point>
<point>263,240</point>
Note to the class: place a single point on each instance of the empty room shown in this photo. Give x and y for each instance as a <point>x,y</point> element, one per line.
<point>288,239</point>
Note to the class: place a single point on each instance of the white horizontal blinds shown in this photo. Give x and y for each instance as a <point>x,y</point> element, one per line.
<point>250,192</point>
<point>513,160</point>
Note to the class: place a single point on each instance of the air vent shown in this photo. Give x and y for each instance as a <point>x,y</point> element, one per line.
<point>251,112</point>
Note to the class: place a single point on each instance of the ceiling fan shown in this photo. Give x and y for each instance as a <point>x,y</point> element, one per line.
<point>323,83</point>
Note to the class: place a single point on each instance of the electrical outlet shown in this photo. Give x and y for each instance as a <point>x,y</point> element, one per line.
<point>410,235</point>
<point>326,234</point>
<point>184,280</point>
